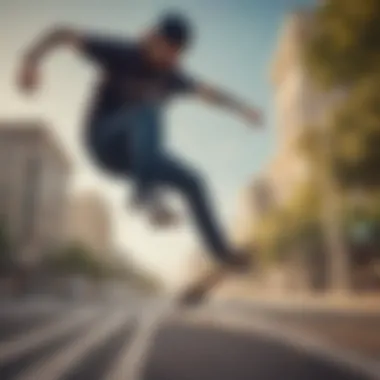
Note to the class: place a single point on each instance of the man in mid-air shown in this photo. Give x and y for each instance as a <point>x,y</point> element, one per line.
<point>124,125</point>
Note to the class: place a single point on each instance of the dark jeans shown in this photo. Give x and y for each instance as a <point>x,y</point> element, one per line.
<point>132,142</point>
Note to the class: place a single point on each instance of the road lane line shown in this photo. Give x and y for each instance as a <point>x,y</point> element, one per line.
<point>133,359</point>
<point>130,363</point>
<point>59,363</point>
<point>17,346</point>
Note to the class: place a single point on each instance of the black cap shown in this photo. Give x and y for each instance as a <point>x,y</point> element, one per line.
<point>176,29</point>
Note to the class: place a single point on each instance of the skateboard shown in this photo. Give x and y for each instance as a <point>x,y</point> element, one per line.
<point>198,290</point>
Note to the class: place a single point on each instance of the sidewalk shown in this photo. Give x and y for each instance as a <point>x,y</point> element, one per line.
<point>367,303</point>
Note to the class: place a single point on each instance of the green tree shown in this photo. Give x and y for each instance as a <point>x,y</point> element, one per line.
<point>74,259</point>
<point>343,54</point>
<point>293,226</point>
<point>345,44</point>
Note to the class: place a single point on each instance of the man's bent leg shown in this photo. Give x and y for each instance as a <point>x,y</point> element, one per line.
<point>137,131</point>
<point>175,174</point>
<point>143,135</point>
<point>145,144</point>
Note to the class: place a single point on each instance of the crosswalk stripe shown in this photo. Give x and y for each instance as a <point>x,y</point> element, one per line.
<point>131,362</point>
<point>55,366</point>
<point>16,347</point>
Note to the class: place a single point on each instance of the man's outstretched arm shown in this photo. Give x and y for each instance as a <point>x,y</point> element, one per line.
<point>28,76</point>
<point>225,100</point>
<point>53,39</point>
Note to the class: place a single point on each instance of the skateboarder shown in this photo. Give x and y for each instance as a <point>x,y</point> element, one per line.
<point>124,125</point>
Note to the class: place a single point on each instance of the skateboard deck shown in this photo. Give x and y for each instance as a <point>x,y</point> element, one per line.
<point>198,290</point>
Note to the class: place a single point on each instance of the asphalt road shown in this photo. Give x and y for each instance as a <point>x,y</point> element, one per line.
<point>50,341</point>
<point>356,329</point>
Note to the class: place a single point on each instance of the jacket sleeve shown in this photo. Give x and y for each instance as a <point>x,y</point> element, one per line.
<point>105,51</point>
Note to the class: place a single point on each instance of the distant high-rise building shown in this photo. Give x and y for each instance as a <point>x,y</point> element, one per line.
<point>297,103</point>
<point>89,222</point>
<point>297,106</point>
<point>34,172</point>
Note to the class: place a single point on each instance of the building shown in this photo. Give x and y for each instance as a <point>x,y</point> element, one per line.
<point>89,222</point>
<point>256,200</point>
<point>298,105</point>
<point>34,173</point>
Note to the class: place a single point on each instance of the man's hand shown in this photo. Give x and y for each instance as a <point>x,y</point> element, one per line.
<point>28,78</point>
<point>253,116</point>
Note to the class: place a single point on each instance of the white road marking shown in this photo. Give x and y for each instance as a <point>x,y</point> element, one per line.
<point>296,338</point>
<point>58,364</point>
<point>130,363</point>
<point>16,347</point>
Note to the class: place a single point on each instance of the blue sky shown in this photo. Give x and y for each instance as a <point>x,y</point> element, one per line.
<point>235,45</point>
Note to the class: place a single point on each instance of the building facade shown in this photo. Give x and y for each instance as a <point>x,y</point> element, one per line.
<point>296,106</point>
<point>34,174</point>
<point>89,222</point>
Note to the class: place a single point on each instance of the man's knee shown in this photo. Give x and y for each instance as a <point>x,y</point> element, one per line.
<point>175,173</point>
<point>194,183</point>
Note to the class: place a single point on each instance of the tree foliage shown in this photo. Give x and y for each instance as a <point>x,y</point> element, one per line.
<point>76,259</point>
<point>344,53</point>
<point>294,225</point>
<point>357,135</point>
<point>342,56</point>
<point>346,42</point>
